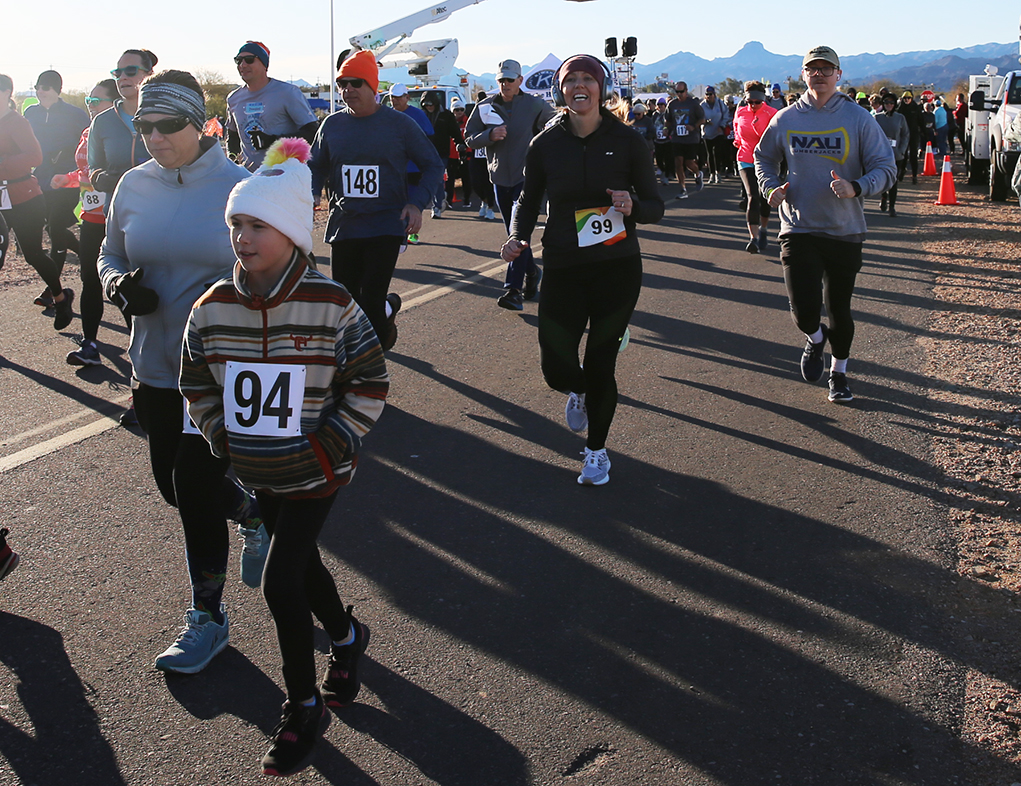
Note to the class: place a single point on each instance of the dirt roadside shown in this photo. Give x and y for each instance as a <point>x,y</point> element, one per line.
<point>974,364</point>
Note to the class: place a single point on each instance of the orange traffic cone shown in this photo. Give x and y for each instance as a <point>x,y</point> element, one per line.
<point>930,161</point>
<point>947,192</point>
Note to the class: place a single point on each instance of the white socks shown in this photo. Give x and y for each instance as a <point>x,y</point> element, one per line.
<point>838,366</point>
<point>389,309</point>
<point>817,337</point>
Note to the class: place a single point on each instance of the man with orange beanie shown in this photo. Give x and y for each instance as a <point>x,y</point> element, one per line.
<point>360,155</point>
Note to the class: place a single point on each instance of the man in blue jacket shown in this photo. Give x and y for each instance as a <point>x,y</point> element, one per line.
<point>58,126</point>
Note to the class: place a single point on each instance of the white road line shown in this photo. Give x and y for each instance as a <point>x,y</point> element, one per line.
<point>14,460</point>
<point>488,269</point>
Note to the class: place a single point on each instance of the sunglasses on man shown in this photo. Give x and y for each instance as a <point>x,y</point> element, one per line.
<point>246,59</point>
<point>166,127</point>
<point>354,82</point>
<point>127,71</point>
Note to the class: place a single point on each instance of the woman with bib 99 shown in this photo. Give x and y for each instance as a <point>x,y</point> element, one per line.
<point>599,177</point>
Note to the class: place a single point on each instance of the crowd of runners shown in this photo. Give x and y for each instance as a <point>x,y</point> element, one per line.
<point>245,356</point>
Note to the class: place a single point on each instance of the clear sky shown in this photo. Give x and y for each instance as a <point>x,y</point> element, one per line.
<point>83,40</point>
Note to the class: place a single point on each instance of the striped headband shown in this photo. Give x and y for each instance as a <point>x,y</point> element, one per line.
<point>167,98</point>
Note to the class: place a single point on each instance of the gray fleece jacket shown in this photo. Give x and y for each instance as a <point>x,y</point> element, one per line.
<point>840,137</point>
<point>525,116</point>
<point>170,223</point>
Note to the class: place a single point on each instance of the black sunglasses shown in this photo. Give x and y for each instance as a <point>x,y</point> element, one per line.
<point>754,103</point>
<point>166,127</point>
<point>506,81</point>
<point>37,88</point>
<point>354,82</point>
<point>246,59</point>
<point>127,71</point>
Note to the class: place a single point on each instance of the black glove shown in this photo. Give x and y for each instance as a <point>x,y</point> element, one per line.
<point>127,293</point>
<point>260,139</point>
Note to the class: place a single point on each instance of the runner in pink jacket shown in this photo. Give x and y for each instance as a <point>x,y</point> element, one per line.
<point>750,122</point>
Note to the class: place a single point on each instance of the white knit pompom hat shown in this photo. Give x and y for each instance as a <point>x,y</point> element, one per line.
<point>279,192</point>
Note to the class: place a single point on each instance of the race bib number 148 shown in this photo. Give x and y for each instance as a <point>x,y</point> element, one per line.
<point>263,399</point>
<point>360,181</point>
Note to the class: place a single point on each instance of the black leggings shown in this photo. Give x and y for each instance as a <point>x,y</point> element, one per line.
<point>27,221</point>
<point>913,154</point>
<point>92,289</point>
<point>601,295</point>
<point>716,153</point>
<point>297,585</point>
<point>891,195</point>
<point>665,158</point>
<point>191,479</point>
<point>365,267</point>
<point>60,205</point>
<point>481,184</point>
<point>818,270</point>
<point>758,205</point>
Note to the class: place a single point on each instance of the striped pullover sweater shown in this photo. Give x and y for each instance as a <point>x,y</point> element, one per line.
<point>306,319</point>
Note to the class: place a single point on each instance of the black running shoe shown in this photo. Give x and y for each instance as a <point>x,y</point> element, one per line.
<point>840,391</point>
<point>340,683</point>
<point>511,300</point>
<point>294,738</point>
<point>387,342</point>
<point>62,314</point>
<point>45,299</point>
<point>752,247</point>
<point>812,364</point>
<point>532,284</point>
<point>8,559</point>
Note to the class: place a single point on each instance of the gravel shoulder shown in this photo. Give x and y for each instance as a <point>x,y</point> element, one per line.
<point>974,363</point>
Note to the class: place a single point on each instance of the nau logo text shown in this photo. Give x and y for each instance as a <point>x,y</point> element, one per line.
<point>300,342</point>
<point>831,144</point>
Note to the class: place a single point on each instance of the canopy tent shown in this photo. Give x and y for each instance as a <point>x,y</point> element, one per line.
<point>539,79</point>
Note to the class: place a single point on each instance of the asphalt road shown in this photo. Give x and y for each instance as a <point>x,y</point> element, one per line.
<point>758,596</point>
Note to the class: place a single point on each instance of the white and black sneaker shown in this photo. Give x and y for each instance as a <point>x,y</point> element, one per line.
<point>812,365</point>
<point>576,412</point>
<point>840,391</point>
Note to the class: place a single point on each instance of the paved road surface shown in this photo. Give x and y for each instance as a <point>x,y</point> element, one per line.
<point>757,597</point>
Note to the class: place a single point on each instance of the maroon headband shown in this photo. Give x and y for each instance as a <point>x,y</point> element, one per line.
<point>585,63</point>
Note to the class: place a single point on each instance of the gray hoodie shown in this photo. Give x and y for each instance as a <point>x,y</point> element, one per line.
<point>841,137</point>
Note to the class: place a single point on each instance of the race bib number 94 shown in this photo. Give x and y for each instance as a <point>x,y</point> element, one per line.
<point>360,181</point>
<point>599,226</point>
<point>263,399</point>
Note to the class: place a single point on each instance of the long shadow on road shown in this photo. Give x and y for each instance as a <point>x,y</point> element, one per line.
<point>720,628</point>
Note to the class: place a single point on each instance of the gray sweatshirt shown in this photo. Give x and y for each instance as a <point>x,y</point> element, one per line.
<point>170,223</point>
<point>841,137</point>
<point>896,129</point>
<point>524,117</point>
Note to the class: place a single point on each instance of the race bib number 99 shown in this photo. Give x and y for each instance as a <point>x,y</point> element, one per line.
<point>599,226</point>
<point>263,399</point>
<point>360,181</point>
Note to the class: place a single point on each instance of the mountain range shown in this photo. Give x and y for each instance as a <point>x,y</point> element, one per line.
<point>942,67</point>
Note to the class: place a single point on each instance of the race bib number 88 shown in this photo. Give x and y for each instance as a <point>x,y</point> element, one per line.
<point>263,399</point>
<point>92,200</point>
<point>360,181</point>
<point>599,225</point>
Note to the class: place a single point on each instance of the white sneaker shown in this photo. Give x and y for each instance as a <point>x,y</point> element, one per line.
<point>437,212</point>
<point>490,215</point>
<point>575,412</point>
<point>595,469</point>
<point>197,644</point>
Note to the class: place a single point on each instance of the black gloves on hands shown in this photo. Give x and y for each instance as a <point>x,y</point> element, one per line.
<point>127,293</point>
<point>260,139</point>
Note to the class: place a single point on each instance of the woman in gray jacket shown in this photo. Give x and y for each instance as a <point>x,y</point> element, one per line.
<point>166,243</point>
